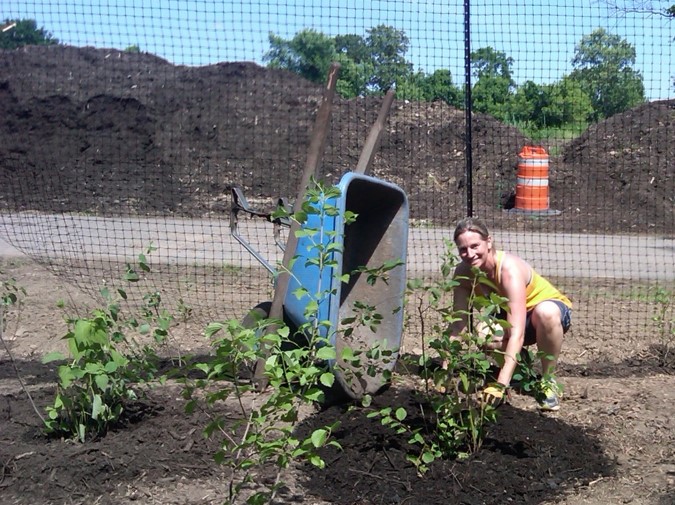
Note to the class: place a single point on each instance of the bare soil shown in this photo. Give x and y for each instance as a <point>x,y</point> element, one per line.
<point>112,133</point>
<point>612,442</point>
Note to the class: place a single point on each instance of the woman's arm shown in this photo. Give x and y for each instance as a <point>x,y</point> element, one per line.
<point>514,276</point>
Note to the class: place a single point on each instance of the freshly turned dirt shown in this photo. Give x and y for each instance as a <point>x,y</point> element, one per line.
<point>612,442</point>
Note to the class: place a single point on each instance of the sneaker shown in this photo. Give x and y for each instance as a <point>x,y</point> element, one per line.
<point>550,395</point>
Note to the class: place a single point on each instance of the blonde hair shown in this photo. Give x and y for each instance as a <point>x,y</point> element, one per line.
<point>471,224</point>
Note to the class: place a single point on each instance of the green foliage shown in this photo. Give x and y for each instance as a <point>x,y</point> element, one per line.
<point>602,68</point>
<point>491,95</point>
<point>10,293</point>
<point>369,65</point>
<point>487,62</point>
<point>439,86</point>
<point>387,52</point>
<point>527,379</point>
<point>354,76</point>
<point>555,105</point>
<point>353,46</point>
<point>492,90</point>
<point>94,386</point>
<point>429,88</point>
<point>295,364</point>
<point>309,54</point>
<point>106,363</point>
<point>602,83</point>
<point>551,134</point>
<point>299,365</point>
<point>135,48</point>
<point>24,32</point>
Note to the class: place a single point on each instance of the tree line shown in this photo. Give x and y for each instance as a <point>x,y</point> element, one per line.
<point>602,82</point>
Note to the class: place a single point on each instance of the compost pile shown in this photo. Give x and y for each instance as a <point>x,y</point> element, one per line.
<point>109,132</point>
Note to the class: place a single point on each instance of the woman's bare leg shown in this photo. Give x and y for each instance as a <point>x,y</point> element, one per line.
<point>548,326</point>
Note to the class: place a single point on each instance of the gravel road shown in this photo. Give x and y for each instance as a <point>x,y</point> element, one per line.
<point>182,241</point>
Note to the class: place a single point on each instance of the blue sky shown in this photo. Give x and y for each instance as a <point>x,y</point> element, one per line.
<point>539,35</point>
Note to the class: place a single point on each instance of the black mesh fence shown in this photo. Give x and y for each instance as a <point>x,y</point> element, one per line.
<point>127,126</point>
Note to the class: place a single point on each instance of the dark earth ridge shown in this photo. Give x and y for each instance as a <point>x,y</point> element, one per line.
<point>115,133</point>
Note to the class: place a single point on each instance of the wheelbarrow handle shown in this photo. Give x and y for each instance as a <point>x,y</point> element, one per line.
<point>240,204</point>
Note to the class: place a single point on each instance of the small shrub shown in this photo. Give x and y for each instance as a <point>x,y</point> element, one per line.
<point>106,363</point>
<point>454,419</point>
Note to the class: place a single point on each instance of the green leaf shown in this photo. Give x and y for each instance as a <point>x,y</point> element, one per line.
<point>52,356</point>
<point>401,414</point>
<point>66,376</point>
<point>101,381</point>
<point>319,437</point>
<point>314,395</point>
<point>213,328</point>
<point>96,407</point>
<point>327,379</point>
<point>317,461</point>
<point>304,233</point>
<point>118,359</point>
<point>93,368</point>
<point>131,276</point>
<point>428,457</point>
<point>300,292</point>
<point>326,353</point>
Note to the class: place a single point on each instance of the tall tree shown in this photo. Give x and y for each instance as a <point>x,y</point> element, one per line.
<point>494,86</point>
<point>354,77</point>
<point>369,65</point>
<point>487,62</point>
<point>23,32</point>
<point>439,86</point>
<point>387,47</point>
<point>353,46</point>
<point>309,53</point>
<point>602,68</point>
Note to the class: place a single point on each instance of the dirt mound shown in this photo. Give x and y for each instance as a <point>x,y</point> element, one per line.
<point>628,160</point>
<point>110,132</point>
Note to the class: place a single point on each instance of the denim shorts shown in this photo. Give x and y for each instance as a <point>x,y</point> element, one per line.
<point>565,320</point>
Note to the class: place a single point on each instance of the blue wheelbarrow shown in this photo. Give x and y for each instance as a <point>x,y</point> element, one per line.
<point>378,236</point>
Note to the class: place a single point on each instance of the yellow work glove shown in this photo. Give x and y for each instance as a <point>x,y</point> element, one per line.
<point>493,394</point>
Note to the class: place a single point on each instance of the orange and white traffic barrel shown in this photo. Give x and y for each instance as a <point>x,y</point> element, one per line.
<point>532,183</point>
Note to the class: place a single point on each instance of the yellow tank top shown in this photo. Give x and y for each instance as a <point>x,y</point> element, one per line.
<point>538,288</point>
